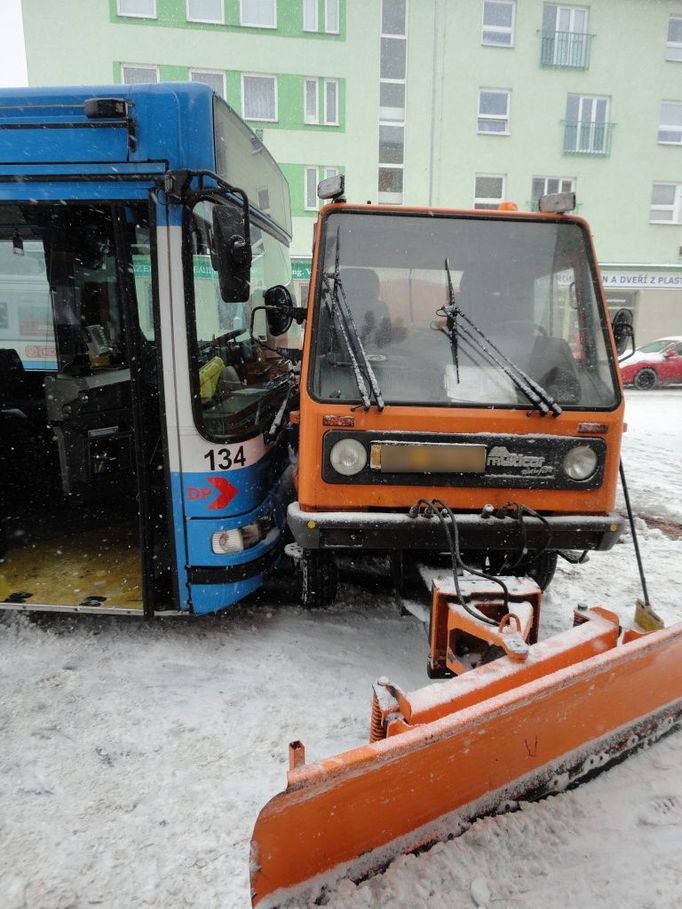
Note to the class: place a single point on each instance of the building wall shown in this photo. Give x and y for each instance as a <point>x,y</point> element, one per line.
<point>447,65</point>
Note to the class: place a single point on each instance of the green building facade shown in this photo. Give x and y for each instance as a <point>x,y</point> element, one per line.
<point>456,103</point>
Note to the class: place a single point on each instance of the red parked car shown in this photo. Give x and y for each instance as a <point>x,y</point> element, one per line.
<point>656,363</point>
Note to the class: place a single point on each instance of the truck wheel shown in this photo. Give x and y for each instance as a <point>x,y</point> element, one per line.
<point>646,378</point>
<point>317,578</point>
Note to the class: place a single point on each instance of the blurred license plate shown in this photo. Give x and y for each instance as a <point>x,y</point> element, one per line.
<point>415,458</point>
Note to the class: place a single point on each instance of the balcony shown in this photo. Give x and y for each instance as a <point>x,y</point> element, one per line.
<point>566,50</point>
<point>587,137</point>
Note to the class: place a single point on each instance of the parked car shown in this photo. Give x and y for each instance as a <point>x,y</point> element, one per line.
<point>656,363</point>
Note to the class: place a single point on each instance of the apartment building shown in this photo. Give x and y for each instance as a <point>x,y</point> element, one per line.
<point>460,103</point>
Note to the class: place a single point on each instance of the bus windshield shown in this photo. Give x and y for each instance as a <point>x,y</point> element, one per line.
<point>239,382</point>
<point>524,289</point>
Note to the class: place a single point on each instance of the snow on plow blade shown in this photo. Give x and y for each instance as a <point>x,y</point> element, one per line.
<point>467,747</point>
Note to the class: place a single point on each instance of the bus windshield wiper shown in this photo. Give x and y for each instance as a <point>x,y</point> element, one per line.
<point>461,327</point>
<point>340,312</point>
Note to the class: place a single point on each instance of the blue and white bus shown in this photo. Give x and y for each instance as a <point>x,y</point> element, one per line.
<point>144,464</point>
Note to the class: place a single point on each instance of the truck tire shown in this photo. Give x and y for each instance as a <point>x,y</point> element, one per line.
<point>317,578</point>
<point>646,378</point>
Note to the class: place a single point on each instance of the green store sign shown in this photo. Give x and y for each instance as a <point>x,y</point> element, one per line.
<point>300,270</point>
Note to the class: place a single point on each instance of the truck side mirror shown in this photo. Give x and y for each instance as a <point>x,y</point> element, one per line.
<point>623,331</point>
<point>232,251</point>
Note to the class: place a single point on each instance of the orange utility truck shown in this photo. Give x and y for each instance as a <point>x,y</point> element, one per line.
<point>459,392</point>
<point>462,356</point>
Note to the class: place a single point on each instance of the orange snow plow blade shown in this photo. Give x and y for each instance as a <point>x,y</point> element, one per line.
<point>475,745</point>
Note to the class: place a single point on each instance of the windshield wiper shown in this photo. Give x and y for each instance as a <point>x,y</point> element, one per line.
<point>460,326</point>
<point>340,311</point>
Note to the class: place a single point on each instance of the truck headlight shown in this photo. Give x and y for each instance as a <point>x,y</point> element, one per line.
<point>580,462</point>
<point>348,457</point>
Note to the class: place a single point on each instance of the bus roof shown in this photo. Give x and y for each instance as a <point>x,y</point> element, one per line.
<point>60,133</point>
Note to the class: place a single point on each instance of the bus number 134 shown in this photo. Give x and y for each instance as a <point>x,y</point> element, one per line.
<point>224,459</point>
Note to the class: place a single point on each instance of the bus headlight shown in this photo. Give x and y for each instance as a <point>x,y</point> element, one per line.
<point>580,462</point>
<point>348,457</point>
<point>238,539</point>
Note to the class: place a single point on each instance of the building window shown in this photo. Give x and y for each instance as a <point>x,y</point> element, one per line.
<point>331,16</point>
<point>586,129</point>
<point>214,78</point>
<point>670,123</point>
<point>309,15</point>
<point>312,176</point>
<point>392,101</point>
<point>393,58</point>
<point>133,73</point>
<point>498,23</point>
<point>393,16</point>
<point>489,191</point>
<point>391,144</point>
<point>205,11</point>
<point>144,9</point>
<point>391,185</point>
<point>311,101</point>
<point>392,88</point>
<point>565,41</point>
<point>543,185</point>
<point>666,203</point>
<point>331,102</point>
<point>259,97</point>
<point>673,49</point>
<point>258,13</point>
<point>493,111</point>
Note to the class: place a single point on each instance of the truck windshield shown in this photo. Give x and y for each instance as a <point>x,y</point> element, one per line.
<point>528,285</point>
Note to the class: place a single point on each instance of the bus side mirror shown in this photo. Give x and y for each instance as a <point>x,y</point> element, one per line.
<point>623,331</point>
<point>279,309</point>
<point>232,251</point>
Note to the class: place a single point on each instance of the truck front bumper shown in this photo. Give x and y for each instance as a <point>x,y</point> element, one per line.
<point>388,530</point>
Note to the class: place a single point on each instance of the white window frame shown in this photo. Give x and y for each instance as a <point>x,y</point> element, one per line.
<point>499,29</point>
<point>501,118</point>
<point>593,122</point>
<point>208,72</point>
<point>489,203</point>
<point>136,15</point>
<point>675,207</point>
<point>257,25</point>
<point>320,173</point>
<point>260,76</point>
<point>328,121</point>
<point>314,24</point>
<point>560,180</point>
<point>308,118</point>
<point>673,49</point>
<point>676,127</point>
<point>397,34</point>
<point>220,21</point>
<point>332,5</point>
<point>563,55</point>
<point>146,66</point>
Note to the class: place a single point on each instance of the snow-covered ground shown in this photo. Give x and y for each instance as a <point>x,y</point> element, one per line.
<point>134,758</point>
